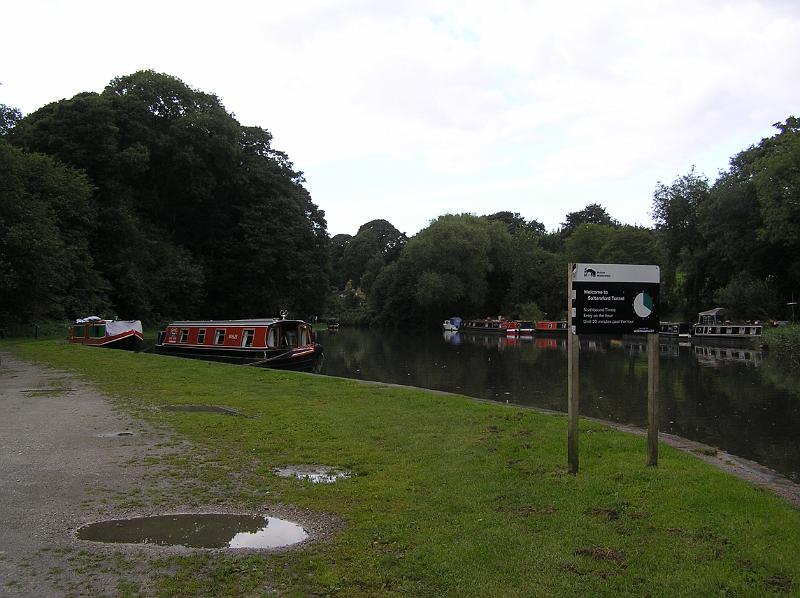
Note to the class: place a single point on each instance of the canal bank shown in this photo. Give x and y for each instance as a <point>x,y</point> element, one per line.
<point>737,399</point>
<point>448,496</point>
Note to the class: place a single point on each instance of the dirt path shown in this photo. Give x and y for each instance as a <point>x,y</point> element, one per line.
<point>59,450</point>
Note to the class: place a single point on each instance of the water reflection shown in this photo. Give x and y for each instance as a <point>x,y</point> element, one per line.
<point>738,399</point>
<point>197,531</point>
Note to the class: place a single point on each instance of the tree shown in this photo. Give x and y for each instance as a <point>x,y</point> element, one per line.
<point>46,270</point>
<point>538,281</point>
<point>376,244</point>
<point>592,214</point>
<point>446,268</point>
<point>775,170</point>
<point>586,242</point>
<point>196,215</point>
<point>515,223</point>
<point>676,211</point>
<point>8,118</point>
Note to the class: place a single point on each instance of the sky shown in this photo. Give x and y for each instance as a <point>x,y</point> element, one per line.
<point>409,110</point>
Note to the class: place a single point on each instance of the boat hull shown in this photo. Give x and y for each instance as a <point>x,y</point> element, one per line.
<point>303,358</point>
<point>128,341</point>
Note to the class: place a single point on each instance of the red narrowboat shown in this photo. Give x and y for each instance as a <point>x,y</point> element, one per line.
<point>112,334</point>
<point>269,342</point>
<point>551,327</point>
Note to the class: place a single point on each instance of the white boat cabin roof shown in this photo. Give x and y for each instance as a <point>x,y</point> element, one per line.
<point>222,323</point>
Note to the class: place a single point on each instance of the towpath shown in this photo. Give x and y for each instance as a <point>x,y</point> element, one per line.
<point>59,452</point>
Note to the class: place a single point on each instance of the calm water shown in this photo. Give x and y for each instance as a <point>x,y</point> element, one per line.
<point>735,398</point>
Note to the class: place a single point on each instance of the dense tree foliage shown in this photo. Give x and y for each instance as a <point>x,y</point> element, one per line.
<point>592,214</point>
<point>46,269</point>
<point>736,242</point>
<point>360,259</point>
<point>469,265</point>
<point>149,200</point>
<point>194,215</point>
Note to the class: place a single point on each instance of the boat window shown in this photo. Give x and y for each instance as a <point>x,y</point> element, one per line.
<point>184,335</point>
<point>201,336</point>
<point>219,336</point>
<point>272,340</point>
<point>98,331</point>
<point>247,338</point>
<point>289,337</point>
<point>304,336</point>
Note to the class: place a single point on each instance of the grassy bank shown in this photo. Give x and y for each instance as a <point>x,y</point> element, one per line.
<point>449,497</point>
<point>784,342</point>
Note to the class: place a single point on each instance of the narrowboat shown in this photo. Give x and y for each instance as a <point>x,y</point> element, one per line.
<point>112,334</point>
<point>485,326</point>
<point>268,342</point>
<point>715,324</point>
<point>551,327</point>
<point>675,329</point>
<point>451,324</point>
<point>519,328</point>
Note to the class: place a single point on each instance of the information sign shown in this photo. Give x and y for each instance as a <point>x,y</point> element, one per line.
<point>615,298</point>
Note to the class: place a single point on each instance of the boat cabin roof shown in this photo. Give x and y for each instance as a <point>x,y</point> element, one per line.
<point>222,323</point>
<point>717,311</point>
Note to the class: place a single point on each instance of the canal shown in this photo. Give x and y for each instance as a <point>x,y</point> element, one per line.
<point>736,398</point>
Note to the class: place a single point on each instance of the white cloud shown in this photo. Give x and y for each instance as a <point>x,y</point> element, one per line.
<point>534,107</point>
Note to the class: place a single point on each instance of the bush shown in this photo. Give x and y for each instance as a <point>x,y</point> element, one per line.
<point>784,342</point>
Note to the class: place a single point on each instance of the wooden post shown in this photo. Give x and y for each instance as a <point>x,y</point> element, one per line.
<point>652,399</point>
<point>573,383</point>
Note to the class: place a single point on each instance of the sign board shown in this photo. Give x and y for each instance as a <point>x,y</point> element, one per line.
<point>615,298</point>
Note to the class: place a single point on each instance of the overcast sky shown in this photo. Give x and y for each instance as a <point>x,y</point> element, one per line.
<point>409,110</point>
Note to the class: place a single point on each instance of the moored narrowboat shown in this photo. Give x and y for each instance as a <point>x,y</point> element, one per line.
<point>268,342</point>
<point>675,329</point>
<point>485,326</point>
<point>111,334</point>
<point>551,327</point>
<point>519,328</point>
<point>715,324</point>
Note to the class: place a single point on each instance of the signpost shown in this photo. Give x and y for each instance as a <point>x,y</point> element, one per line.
<point>613,299</point>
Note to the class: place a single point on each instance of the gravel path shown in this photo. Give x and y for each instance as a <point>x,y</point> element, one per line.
<point>59,448</point>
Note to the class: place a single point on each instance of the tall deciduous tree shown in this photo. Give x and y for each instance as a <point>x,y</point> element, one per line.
<point>46,270</point>
<point>196,215</point>
<point>592,214</point>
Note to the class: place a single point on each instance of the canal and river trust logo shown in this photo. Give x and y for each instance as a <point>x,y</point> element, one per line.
<point>643,305</point>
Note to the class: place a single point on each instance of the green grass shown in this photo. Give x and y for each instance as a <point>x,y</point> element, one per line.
<point>450,496</point>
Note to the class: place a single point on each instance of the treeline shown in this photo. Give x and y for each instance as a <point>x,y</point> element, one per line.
<point>733,243</point>
<point>474,266</point>
<point>150,201</point>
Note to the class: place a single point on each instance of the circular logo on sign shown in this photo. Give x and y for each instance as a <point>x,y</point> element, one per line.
<point>643,305</point>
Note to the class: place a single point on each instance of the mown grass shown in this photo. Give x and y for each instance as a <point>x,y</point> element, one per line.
<point>450,496</point>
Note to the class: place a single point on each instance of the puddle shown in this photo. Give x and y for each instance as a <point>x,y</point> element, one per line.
<point>116,434</point>
<point>318,474</point>
<point>203,409</point>
<point>197,531</point>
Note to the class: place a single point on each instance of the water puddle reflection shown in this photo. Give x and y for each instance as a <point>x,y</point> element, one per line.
<point>197,531</point>
<point>318,474</point>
